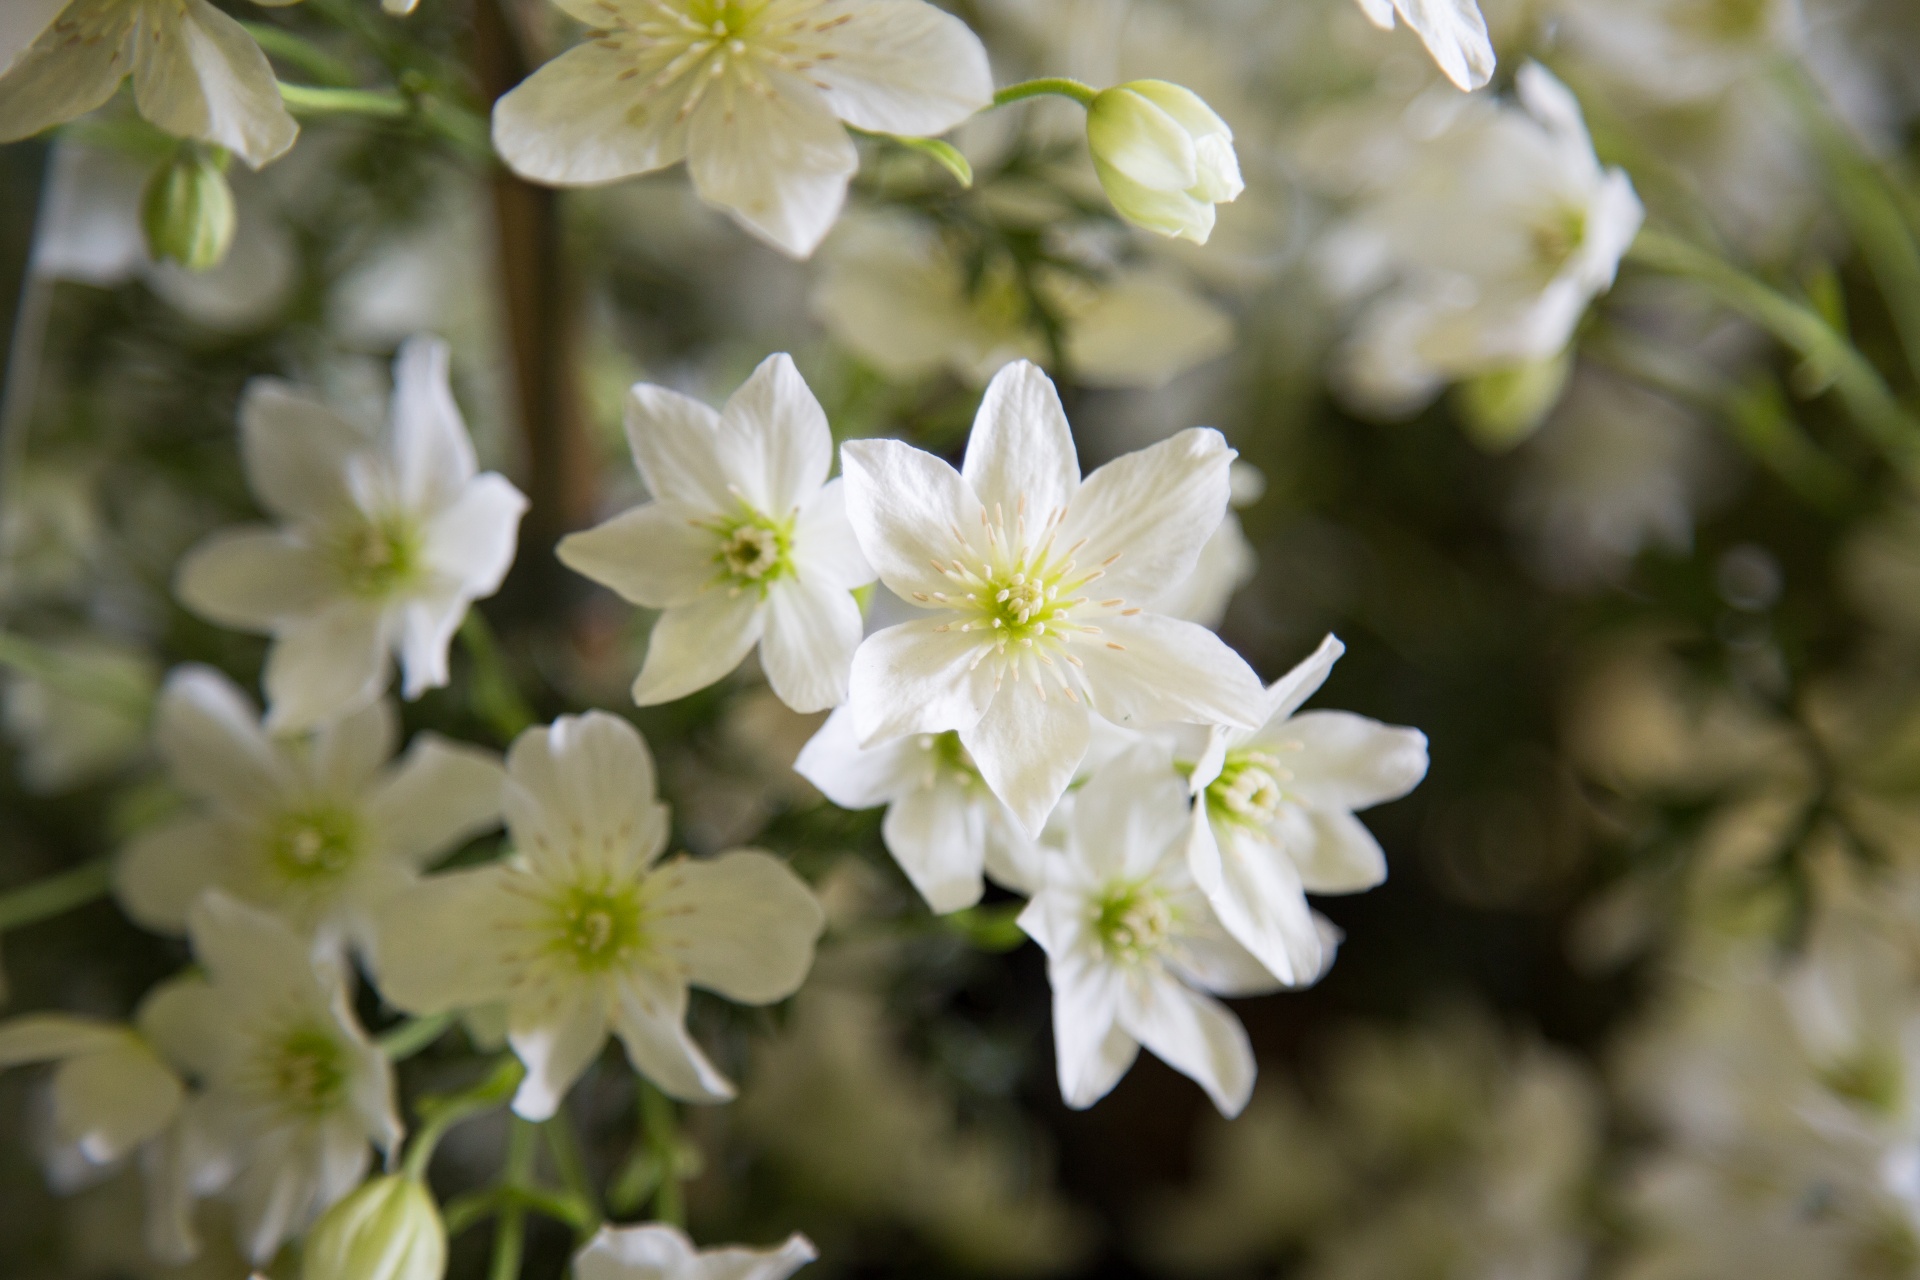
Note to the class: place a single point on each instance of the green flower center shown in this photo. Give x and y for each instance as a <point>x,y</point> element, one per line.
<point>755,550</point>
<point>314,844</point>
<point>1558,237</point>
<point>379,557</point>
<point>599,929</point>
<point>1133,921</point>
<point>1250,789</point>
<point>307,1071</point>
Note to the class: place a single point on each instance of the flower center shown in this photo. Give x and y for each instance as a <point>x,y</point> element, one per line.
<point>1250,788</point>
<point>1133,921</point>
<point>379,557</point>
<point>597,929</point>
<point>752,552</point>
<point>314,844</point>
<point>307,1071</point>
<point>1558,237</point>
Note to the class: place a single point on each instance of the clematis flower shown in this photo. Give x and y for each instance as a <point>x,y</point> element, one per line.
<point>385,543</point>
<point>292,1088</point>
<point>1163,157</point>
<point>656,1251</point>
<point>1274,818</point>
<point>944,826</point>
<point>745,542</point>
<point>1027,576</point>
<point>1132,946</point>
<point>585,929</point>
<point>1453,31</point>
<point>196,72</point>
<point>750,93</point>
<point>320,830</point>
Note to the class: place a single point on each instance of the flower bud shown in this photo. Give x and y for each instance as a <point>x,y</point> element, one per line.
<point>1163,156</point>
<point>1502,407</point>
<point>187,210</point>
<point>389,1229</point>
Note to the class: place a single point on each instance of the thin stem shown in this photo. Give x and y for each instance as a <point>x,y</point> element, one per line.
<point>440,1114</point>
<point>496,698</point>
<point>1059,86</point>
<point>316,100</point>
<point>663,1138</point>
<point>55,895</point>
<point>413,1035</point>
<point>564,1144</point>
<point>278,42</point>
<point>74,677</point>
<point>510,1234</point>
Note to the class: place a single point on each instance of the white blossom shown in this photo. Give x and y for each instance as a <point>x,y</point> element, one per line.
<point>320,830</point>
<point>1163,156</point>
<point>585,929</point>
<point>1029,579</point>
<point>745,542</point>
<point>752,94</point>
<point>385,543</point>
<point>656,1251</point>
<point>1453,31</point>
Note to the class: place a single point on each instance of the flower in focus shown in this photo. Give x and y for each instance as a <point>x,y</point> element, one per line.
<point>656,1251</point>
<point>751,93</point>
<point>385,543</point>
<point>389,1229</point>
<point>196,72</point>
<point>1453,31</point>
<point>745,542</point>
<point>1227,562</point>
<point>1132,946</point>
<point>320,831</point>
<point>1164,157</point>
<point>584,929</point>
<point>1028,577</point>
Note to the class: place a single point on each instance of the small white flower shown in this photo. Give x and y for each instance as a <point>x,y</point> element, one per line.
<point>293,1090</point>
<point>196,72</point>
<point>585,930</point>
<point>1028,577</point>
<point>385,543</point>
<point>320,830</point>
<point>1132,945</point>
<point>111,1091</point>
<point>745,542</point>
<point>655,1251</point>
<point>943,825</point>
<point>751,93</point>
<point>1274,818</point>
<point>1163,157</point>
<point>1453,31</point>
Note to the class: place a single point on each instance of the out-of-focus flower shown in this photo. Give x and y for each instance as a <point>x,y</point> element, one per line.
<point>656,1251</point>
<point>1132,945</point>
<point>389,1229</point>
<point>1164,157</point>
<point>82,721</point>
<point>584,930</point>
<point>752,95</point>
<point>321,830</point>
<point>745,542</point>
<point>1274,816</point>
<point>187,210</point>
<point>196,72</point>
<point>1453,31</point>
<point>386,543</point>
<point>1026,574</point>
<point>111,1091</point>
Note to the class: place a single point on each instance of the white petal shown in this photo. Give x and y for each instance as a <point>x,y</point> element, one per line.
<point>50,1037</point>
<point>903,68</point>
<point>243,947</point>
<point>582,119</point>
<point>902,503</point>
<point>914,679</point>
<point>1205,956</point>
<point>1155,509</point>
<point>584,788</point>
<point>22,23</point>
<point>214,746</point>
<point>736,1263</point>
<point>253,578</point>
<point>427,626</point>
<point>676,446</point>
<point>470,544</point>
<point>186,1021</point>
<point>438,797</point>
<point>776,438</point>
<point>1020,453</point>
<point>1143,330</point>
<point>1148,669</point>
<point>448,942</point>
<point>1027,751</point>
<point>332,663</point>
<point>655,1251</point>
<point>161,872</point>
<point>824,547</point>
<point>1456,35</point>
<point>1091,1049</point>
<point>1254,888</point>
<point>272,1199</point>
<point>1349,762</point>
<point>345,754</point>
<point>655,555</point>
<point>650,1019</point>
<point>696,644</point>
<point>856,777</point>
<point>773,156</point>
<point>296,451</point>
<point>57,78</point>
<point>938,835</point>
<point>556,1034</point>
<point>811,631</point>
<point>1285,695</point>
<point>1129,814</point>
<point>742,924</point>
<point>1343,856</point>
<point>109,1103</point>
<point>432,453</point>
<point>198,74</point>
<point>1194,1034</point>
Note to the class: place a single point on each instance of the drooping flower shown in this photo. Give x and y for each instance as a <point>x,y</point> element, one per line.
<point>1132,946</point>
<point>196,72</point>
<point>385,543</point>
<point>745,542</point>
<point>1453,31</point>
<point>751,93</point>
<point>585,930</point>
<point>656,1251</point>
<point>1274,816</point>
<point>1164,157</point>
<point>319,830</point>
<point>1028,577</point>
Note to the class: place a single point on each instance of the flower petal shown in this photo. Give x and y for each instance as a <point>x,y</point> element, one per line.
<point>198,74</point>
<point>1206,956</point>
<point>556,1033</point>
<point>1350,762</point>
<point>856,777</point>
<point>1255,890</point>
<point>427,437</point>
<point>51,1037</point>
<point>242,947</point>
<point>160,873</point>
<point>345,754</point>
<point>210,735</point>
<point>1196,1035</point>
<point>696,644</point>
<point>1091,1049</point>
<point>903,504</point>
<point>903,68</point>
<point>915,679</point>
<point>1285,695</point>
<point>253,578</point>
<point>1343,856</point>
<point>56,78</point>
<point>1455,35</point>
<point>108,1103</point>
<point>329,664</point>
<point>742,924</point>
<point>811,632</point>
<point>439,796</point>
<point>776,438</point>
<point>1027,751</point>
<point>1154,509</point>
<point>427,625</point>
<point>469,545</point>
<point>655,1249</point>
<point>824,547</point>
<point>657,555</point>
<point>296,452</point>
<point>580,120</point>
<point>676,446</point>
<point>1149,669</point>
<point>1131,812</point>
<point>448,942</point>
<point>584,788</point>
<point>22,23</point>
<point>938,835</point>
<point>773,155</point>
<point>1020,455</point>
<point>650,1017</point>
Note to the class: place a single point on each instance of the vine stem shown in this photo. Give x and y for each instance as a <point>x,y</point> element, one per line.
<point>318,100</point>
<point>1058,86</point>
<point>441,1114</point>
<point>510,1232</point>
<point>55,895</point>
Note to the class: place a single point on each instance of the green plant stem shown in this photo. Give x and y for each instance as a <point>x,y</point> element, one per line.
<point>662,1128</point>
<point>278,42</point>
<point>496,698</point>
<point>413,1035</point>
<point>55,895</point>
<point>320,100</point>
<point>440,1114</point>
<point>1058,86</point>
<point>68,676</point>
<point>564,1145</point>
<point>510,1233</point>
<point>468,1210</point>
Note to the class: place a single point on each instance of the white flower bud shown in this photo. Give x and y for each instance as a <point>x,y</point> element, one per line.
<point>187,210</point>
<point>1163,156</point>
<point>389,1229</point>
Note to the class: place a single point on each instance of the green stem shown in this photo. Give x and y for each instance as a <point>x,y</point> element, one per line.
<point>55,895</point>
<point>440,1114</point>
<point>564,1144</point>
<point>1060,86</point>
<point>278,42</point>
<point>495,697</point>
<point>663,1139</point>
<point>317,100</point>
<point>73,678</point>
<point>510,1234</point>
<point>413,1035</point>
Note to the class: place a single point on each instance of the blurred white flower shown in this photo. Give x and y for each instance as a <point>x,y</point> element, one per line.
<point>1164,157</point>
<point>656,1251</point>
<point>83,724</point>
<point>386,543</point>
<point>320,830</point>
<point>196,72</point>
<point>111,1091</point>
<point>584,929</point>
<point>999,555</point>
<point>745,542</point>
<point>751,93</point>
<point>1132,946</point>
<point>1453,31</point>
<point>1274,817</point>
<point>389,1229</point>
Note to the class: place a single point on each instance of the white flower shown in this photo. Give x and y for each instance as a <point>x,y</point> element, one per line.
<point>1453,31</point>
<point>1132,945</point>
<point>386,543</point>
<point>111,1091</point>
<point>585,929</point>
<point>293,1090</point>
<point>656,1251</point>
<point>751,93</point>
<point>1026,575</point>
<point>1275,815</point>
<point>196,72</point>
<point>320,830</point>
<point>1227,562</point>
<point>943,826</point>
<point>745,541</point>
<point>1163,156</point>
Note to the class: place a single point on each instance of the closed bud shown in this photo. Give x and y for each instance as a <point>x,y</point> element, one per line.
<point>1163,156</point>
<point>188,211</point>
<point>1502,407</point>
<point>389,1229</point>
